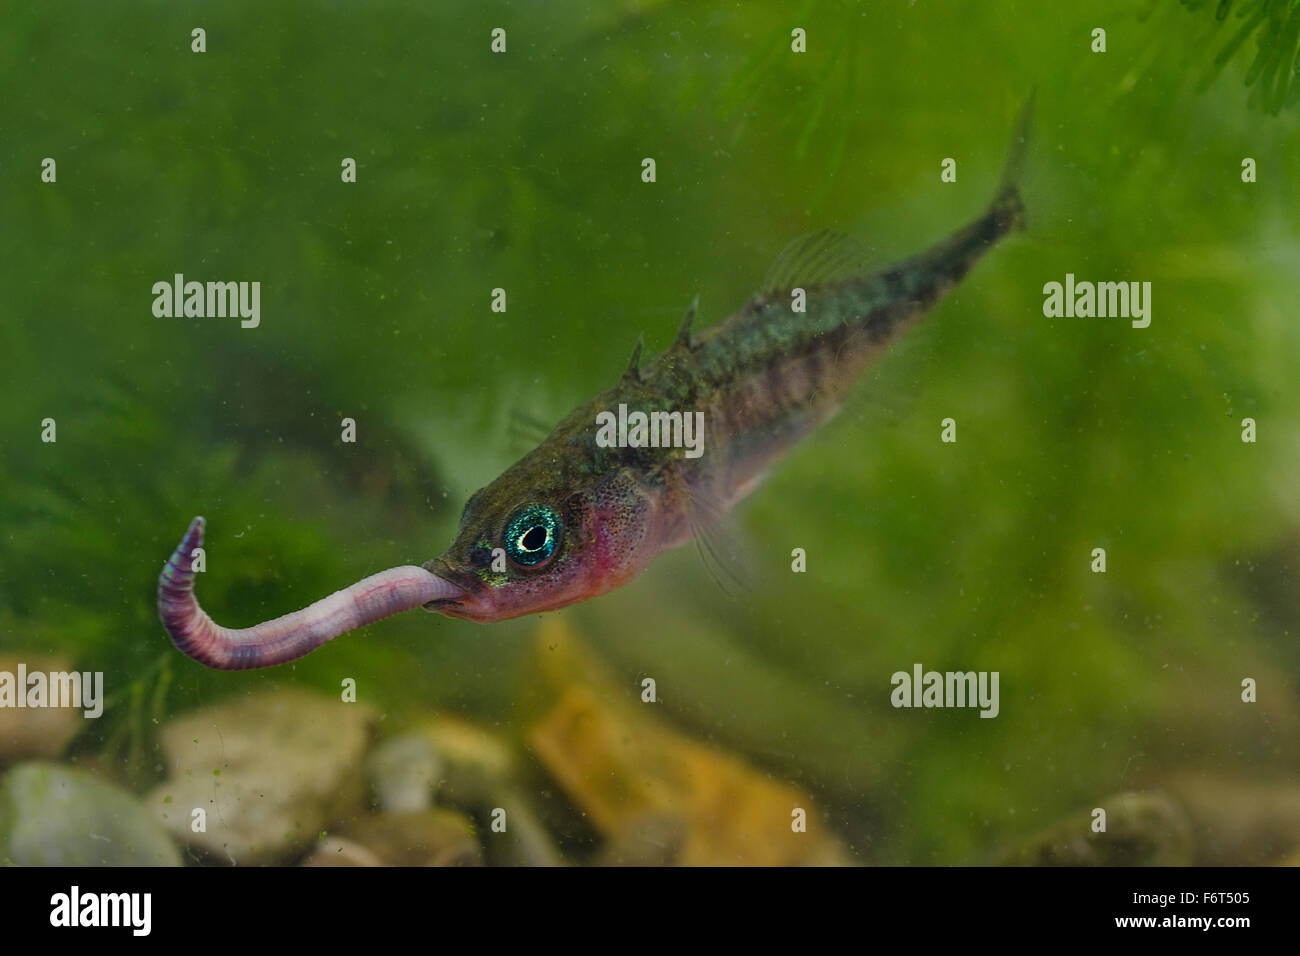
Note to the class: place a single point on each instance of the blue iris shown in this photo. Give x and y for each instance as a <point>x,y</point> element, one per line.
<point>532,535</point>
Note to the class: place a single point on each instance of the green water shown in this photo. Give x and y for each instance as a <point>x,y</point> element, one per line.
<point>522,171</point>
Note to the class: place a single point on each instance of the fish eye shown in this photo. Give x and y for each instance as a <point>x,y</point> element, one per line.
<point>532,535</point>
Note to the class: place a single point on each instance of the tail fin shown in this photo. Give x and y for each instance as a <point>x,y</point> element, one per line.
<point>1007,204</point>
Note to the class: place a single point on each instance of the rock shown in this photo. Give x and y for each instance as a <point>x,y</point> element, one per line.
<point>655,839</point>
<point>525,841</point>
<point>51,815</point>
<point>476,763</point>
<point>1142,829</point>
<point>479,775</point>
<point>422,838</point>
<point>336,851</point>
<point>33,732</point>
<point>269,771</point>
<point>1196,819</point>
<point>652,791</point>
<point>1239,821</point>
<point>403,773</point>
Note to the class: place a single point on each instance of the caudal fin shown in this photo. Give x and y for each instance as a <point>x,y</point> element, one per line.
<point>1008,206</point>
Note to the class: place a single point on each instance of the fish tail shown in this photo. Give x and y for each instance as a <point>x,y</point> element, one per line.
<point>948,261</point>
<point>1008,206</point>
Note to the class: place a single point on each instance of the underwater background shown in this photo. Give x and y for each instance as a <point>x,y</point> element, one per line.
<point>522,170</point>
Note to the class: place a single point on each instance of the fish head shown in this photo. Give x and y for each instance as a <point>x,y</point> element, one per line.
<point>541,537</point>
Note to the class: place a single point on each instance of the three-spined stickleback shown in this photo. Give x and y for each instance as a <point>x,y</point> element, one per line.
<point>578,517</point>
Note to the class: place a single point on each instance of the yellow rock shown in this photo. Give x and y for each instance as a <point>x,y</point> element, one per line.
<point>641,781</point>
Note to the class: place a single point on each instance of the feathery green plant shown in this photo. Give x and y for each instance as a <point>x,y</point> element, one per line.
<point>1275,26</point>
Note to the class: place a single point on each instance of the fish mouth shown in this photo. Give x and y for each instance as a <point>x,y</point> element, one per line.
<point>466,584</point>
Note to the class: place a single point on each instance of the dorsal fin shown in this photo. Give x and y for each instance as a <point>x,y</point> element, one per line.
<point>633,372</point>
<point>683,340</point>
<point>818,258</point>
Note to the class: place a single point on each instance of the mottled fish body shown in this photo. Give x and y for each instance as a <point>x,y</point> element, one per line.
<point>578,516</point>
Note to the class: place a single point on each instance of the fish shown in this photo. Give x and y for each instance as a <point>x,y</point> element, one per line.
<point>577,517</point>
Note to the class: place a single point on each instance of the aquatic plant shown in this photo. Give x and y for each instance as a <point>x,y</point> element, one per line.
<point>1274,27</point>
